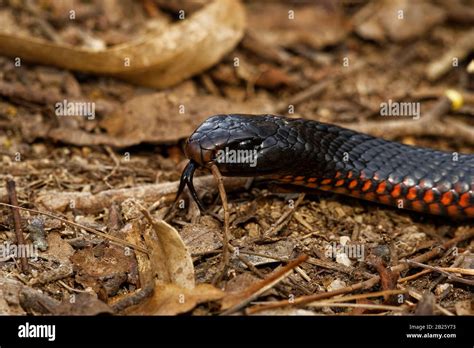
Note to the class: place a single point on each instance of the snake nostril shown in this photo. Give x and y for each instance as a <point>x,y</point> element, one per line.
<point>195,152</point>
<point>192,150</point>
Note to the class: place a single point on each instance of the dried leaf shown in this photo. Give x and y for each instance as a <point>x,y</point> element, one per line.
<point>133,234</point>
<point>154,60</point>
<point>174,289</point>
<point>170,260</point>
<point>171,299</point>
<point>83,304</point>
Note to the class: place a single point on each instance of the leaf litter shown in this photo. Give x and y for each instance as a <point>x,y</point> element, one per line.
<point>65,166</point>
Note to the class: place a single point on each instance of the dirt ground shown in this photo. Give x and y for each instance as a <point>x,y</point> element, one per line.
<point>98,186</point>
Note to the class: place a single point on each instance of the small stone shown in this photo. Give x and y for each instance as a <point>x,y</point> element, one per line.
<point>336,284</point>
<point>343,259</point>
<point>442,288</point>
<point>344,240</point>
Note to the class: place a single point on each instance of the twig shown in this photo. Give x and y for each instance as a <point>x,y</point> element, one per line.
<point>459,260</point>
<point>367,284</point>
<point>88,229</point>
<point>414,276</point>
<point>72,289</point>
<point>357,305</point>
<point>304,95</point>
<point>461,48</point>
<point>134,298</point>
<point>442,271</point>
<point>256,289</point>
<point>284,218</point>
<point>408,127</point>
<point>64,270</point>
<point>303,274</point>
<point>225,253</point>
<point>314,90</point>
<point>256,270</point>
<point>225,240</point>
<point>20,240</point>
<point>93,203</point>
<point>367,295</point>
<point>303,223</point>
<point>328,264</point>
<point>253,253</point>
<point>388,278</point>
<point>415,294</point>
<point>428,125</point>
<point>315,297</point>
<point>466,271</point>
<point>261,275</point>
<point>116,162</point>
<point>210,85</point>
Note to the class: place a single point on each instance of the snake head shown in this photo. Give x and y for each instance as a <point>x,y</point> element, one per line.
<point>242,145</point>
<point>237,144</point>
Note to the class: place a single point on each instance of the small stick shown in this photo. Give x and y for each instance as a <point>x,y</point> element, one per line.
<point>388,279</point>
<point>302,222</point>
<point>461,48</point>
<point>256,289</point>
<point>116,162</point>
<point>414,276</point>
<point>72,289</point>
<point>88,229</point>
<point>367,295</point>
<point>20,240</point>
<point>28,93</point>
<point>300,97</point>
<point>415,294</point>
<point>314,90</point>
<point>303,274</point>
<point>150,193</point>
<point>357,305</point>
<point>329,264</point>
<point>284,218</point>
<point>466,271</point>
<point>442,271</point>
<point>315,297</point>
<point>134,298</point>
<point>430,124</point>
<point>255,269</point>
<point>367,284</point>
<point>457,262</point>
<point>225,206</point>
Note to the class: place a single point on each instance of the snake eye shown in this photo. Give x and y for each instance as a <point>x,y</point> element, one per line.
<point>238,155</point>
<point>246,144</point>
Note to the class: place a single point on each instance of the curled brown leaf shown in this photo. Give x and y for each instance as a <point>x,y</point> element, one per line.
<point>154,60</point>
